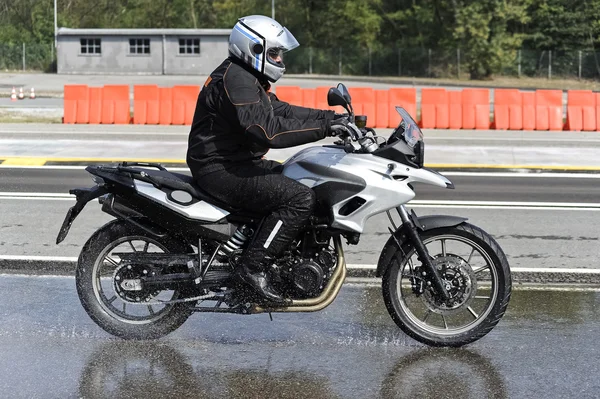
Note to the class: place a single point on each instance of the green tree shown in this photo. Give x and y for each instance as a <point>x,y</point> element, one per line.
<point>481,28</point>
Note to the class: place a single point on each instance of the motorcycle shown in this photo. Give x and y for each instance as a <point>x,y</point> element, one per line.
<point>170,249</point>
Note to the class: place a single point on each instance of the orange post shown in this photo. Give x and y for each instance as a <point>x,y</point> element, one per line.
<point>434,109</point>
<point>145,104</point>
<point>76,104</point>
<point>184,104</point>
<point>115,104</point>
<point>165,95</point>
<point>401,97</point>
<point>581,110</point>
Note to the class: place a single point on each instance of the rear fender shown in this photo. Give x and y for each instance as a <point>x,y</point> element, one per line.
<point>83,195</point>
<point>423,223</point>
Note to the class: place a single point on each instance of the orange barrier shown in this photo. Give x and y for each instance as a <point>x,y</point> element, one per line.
<point>382,108</point>
<point>165,112</point>
<point>548,110</point>
<point>145,104</point>
<point>475,109</point>
<point>508,109</point>
<point>363,103</point>
<point>401,97</point>
<point>321,98</point>
<point>581,110</point>
<point>184,104</point>
<point>434,109</point>
<point>76,104</point>
<point>115,104</point>
<point>95,104</point>
<point>597,102</point>
<point>289,94</point>
<point>528,109</point>
<point>309,98</point>
<point>455,109</point>
<point>441,109</point>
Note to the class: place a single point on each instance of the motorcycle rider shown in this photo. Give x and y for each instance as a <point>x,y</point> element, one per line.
<point>237,119</point>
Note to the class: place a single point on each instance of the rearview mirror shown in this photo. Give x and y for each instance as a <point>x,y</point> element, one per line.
<point>335,97</point>
<point>345,92</point>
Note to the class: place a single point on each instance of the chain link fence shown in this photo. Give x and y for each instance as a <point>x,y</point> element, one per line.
<point>408,62</point>
<point>439,63</point>
<point>27,57</point>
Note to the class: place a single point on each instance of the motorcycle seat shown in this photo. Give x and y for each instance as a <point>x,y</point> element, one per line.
<point>183,182</point>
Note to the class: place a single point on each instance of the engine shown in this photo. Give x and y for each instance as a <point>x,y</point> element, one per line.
<point>303,277</point>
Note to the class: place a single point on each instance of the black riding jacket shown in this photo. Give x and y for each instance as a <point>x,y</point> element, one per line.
<point>236,120</point>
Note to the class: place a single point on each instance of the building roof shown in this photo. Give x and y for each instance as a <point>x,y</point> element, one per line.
<point>143,32</point>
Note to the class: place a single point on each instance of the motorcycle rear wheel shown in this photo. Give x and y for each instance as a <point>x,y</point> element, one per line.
<point>475,270</point>
<point>97,274</point>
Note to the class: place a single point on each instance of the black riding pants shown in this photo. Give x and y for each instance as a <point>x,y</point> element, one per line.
<point>259,186</point>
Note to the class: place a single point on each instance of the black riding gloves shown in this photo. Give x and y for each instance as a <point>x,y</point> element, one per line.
<point>339,126</point>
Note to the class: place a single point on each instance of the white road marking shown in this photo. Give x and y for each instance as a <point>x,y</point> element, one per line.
<point>561,206</point>
<point>525,175</point>
<point>351,266</point>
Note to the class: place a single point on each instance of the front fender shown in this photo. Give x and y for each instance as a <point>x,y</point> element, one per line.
<point>424,223</point>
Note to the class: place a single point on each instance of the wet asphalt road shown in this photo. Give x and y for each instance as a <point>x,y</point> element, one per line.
<point>545,347</point>
<point>579,188</point>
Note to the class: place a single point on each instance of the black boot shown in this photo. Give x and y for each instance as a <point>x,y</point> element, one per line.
<point>259,281</point>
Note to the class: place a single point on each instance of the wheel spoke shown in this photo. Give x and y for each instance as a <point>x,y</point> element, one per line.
<point>150,309</point>
<point>443,247</point>
<point>475,315</point>
<point>124,306</point>
<point>445,324</point>
<point>146,245</point>
<point>482,268</point>
<point>111,300</point>
<point>471,255</point>
<point>427,315</point>
<point>481,297</point>
<point>111,260</point>
<point>132,247</point>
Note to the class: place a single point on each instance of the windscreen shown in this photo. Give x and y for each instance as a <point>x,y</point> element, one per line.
<point>412,134</point>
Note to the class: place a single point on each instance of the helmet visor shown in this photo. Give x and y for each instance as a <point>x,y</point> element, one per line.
<point>286,41</point>
<point>275,55</point>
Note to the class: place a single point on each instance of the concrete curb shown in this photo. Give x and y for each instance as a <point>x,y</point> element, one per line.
<point>519,275</point>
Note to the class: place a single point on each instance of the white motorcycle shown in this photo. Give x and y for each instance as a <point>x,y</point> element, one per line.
<point>168,252</point>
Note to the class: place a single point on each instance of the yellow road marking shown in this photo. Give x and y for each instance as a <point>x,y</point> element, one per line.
<point>36,161</point>
<point>21,161</point>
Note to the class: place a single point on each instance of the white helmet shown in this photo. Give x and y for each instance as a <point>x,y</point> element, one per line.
<point>260,42</point>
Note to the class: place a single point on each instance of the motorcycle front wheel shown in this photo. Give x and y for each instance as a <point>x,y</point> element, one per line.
<point>475,272</point>
<point>99,275</point>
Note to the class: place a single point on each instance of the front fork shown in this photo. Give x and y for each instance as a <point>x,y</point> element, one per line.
<point>429,273</point>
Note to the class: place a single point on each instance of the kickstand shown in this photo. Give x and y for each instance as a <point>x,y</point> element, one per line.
<point>270,316</point>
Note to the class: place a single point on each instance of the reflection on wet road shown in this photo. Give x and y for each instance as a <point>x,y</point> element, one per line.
<point>545,347</point>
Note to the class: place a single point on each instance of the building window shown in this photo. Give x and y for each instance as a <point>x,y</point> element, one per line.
<point>139,46</point>
<point>189,46</point>
<point>90,46</point>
